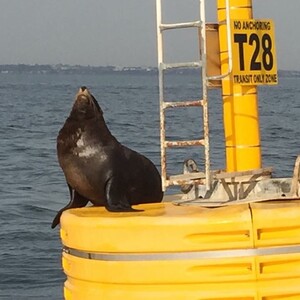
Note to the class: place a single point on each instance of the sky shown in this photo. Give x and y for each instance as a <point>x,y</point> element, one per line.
<point>122,32</point>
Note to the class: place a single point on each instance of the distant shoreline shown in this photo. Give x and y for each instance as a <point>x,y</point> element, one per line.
<point>79,69</point>
<point>69,69</point>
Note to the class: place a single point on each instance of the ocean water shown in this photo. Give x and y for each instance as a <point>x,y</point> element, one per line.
<point>33,108</point>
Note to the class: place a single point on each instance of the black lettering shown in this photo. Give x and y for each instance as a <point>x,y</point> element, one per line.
<point>242,79</point>
<point>259,78</point>
<point>267,57</point>
<point>237,24</point>
<point>241,38</point>
<point>271,78</point>
<point>245,25</point>
<point>255,65</point>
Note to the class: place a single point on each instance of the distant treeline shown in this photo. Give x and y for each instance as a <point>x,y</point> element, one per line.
<point>78,69</point>
<point>69,69</point>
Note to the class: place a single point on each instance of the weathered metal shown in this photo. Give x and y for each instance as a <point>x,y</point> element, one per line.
<point>179,25</point>
<point>188,103</point>
<point>162,66</point>
<point>170,144</point>
<point>230,188</point>
<point>295,185</point>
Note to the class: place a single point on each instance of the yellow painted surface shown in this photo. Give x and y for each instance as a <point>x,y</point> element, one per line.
<point>254,52</point>
<point>160,271</point>
<point>197,228</point>
<point>240,116</point>
<point>78,290</point>
<point>236,158</point>
<point>276,223</point>
<point>166,228</point>
<point>240,108</point>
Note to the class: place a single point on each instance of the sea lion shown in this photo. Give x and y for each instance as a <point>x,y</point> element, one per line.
<point>97,167</point>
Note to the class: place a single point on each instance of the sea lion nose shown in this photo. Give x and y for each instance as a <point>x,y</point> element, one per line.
<point>83,91</point>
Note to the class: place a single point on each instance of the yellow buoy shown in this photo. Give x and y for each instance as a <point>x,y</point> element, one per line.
<point>240,107</point>
<point>246,251</point>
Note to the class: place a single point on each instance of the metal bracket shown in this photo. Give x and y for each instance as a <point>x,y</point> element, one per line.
<point>295,186</point>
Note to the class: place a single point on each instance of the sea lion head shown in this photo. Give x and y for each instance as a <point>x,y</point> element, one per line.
<point>85,105</point>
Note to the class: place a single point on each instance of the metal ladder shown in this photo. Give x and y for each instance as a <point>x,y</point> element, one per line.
<point>197,177</point>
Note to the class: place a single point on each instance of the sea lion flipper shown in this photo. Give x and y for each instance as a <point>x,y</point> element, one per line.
<point>76,201</point>
<point>116,201</point>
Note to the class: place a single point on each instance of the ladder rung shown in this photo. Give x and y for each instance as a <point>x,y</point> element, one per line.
<point>169,144</point>
<point>179,25</point>
<point>189,178</point>
<point>182,103</point>
<point>194,64</point>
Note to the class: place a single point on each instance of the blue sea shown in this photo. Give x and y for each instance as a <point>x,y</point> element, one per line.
<point>33,108</point>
